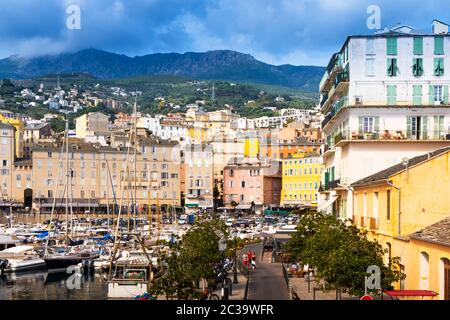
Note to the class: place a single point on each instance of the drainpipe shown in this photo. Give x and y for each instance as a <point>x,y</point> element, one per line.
<point>399,205</point>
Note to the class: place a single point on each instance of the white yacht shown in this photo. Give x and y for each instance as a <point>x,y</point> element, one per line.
<point>21,258</point>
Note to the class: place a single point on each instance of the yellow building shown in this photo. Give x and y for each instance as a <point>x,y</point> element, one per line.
<point>301,179</point>
<point>198,134</point>
<point>18,125</point>
<point>251,147</point>
<point>406,209</point>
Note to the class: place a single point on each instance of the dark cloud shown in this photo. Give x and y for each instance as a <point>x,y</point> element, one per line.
<point>275,31</point>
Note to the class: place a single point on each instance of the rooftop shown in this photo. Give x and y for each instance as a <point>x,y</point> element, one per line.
<point>386,173</point>
<point>438,233</point>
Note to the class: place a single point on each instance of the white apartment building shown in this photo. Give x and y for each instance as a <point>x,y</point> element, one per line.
<point>385,97</point>
<point>168,130</point>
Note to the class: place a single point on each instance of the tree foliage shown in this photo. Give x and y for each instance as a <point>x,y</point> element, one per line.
<point>192,259</point>
<point>341,253</point>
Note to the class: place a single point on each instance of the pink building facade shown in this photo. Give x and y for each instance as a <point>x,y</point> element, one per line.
<point>245,184</point>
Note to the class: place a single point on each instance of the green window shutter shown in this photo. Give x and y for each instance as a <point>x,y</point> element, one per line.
<point>408,127</point>
<point>376,124</point>
<point>431,95</point>
<point>441,127</point>
<point>424,135</point>
<point>392,95</point>
<point>417,95</point>
<point>418,45</point>
<point>420,63</point>
<point>417,67</point>
<point>391,67</point>
<point>361,125</point>
<point>391,44</point>
<point>435,127</point>
<point>332,173</point>
<point>438,67</point>
<point>446,94</point>
<point>438,45</point>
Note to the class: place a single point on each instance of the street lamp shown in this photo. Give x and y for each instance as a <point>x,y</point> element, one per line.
<point>235,279</point>
<point>222,248</point>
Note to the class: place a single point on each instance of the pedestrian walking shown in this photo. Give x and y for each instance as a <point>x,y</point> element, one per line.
<point>254,262</point>
<point>245,259</point>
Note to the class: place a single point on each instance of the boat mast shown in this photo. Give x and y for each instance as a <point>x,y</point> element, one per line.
<point>149,207</point>
<point>67,181</point>
<point>135,164</point>
<point>107,197</point>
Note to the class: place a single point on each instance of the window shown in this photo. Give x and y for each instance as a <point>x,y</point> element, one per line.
<point>392,95</point>
<point>439,130</point>
<point>438,93</point>
<point>370,67</point>
<point>391,46</point>
<point>417,67</point>
<point>243,184</point>
<point>368,124</point>
<point>418,45</point>
<point>388,204</point>
<point>417,95</point>
<point>417,128</point>
<point>392,67</point>
<point>49,154</point>
<point>438,67</point>
<point>375,205</point>
<point>439,45</point>
<point>370,46</point>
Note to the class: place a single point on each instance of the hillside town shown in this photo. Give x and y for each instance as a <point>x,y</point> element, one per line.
<point>374,152</point>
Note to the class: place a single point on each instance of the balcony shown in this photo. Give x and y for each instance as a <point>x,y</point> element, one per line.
<point>330,185</point>
<point>340,87</point>
<point>391,135</point>
<point>334,67</point>
<point>337,106</point>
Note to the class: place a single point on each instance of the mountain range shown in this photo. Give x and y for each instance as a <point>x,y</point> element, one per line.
<point>212,65</point>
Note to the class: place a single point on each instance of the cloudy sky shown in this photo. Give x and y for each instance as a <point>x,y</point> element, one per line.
<point>299,32</point>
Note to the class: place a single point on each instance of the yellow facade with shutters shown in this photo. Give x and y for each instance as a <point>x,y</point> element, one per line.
<point>423,194</point>
<point>301,180</point>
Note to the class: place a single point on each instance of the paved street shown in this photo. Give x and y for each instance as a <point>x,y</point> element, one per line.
<point>267,281</point>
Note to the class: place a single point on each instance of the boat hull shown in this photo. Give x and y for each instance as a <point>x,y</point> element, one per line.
<point>36,264</point>
<point>63,262</point>
<point>126,290</point>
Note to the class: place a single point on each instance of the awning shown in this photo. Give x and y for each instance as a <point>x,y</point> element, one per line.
<point>325,205</point>
<point>276,212</point>
<point>410,293</point>
<point>244,207</point>
<point>192,205</point>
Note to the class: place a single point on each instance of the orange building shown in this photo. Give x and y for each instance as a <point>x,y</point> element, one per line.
<point>284,149</point>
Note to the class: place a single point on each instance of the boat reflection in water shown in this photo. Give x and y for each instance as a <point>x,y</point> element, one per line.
<point>41,285</point>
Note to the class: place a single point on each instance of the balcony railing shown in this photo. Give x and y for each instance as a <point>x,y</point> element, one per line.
<point>392,135</point>
<point>329,185</point>
<point>339,88</point>
<point>333,68</point>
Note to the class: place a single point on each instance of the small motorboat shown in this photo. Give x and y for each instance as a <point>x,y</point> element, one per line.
<point>21,258</point>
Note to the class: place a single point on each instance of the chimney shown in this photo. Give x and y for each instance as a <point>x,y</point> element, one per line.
<point>439,27</point>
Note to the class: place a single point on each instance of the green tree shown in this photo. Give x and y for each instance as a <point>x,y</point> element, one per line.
<point>341,253</point>
<point>192,259</point>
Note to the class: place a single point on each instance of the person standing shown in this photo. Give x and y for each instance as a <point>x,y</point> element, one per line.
<point>254,262</point>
